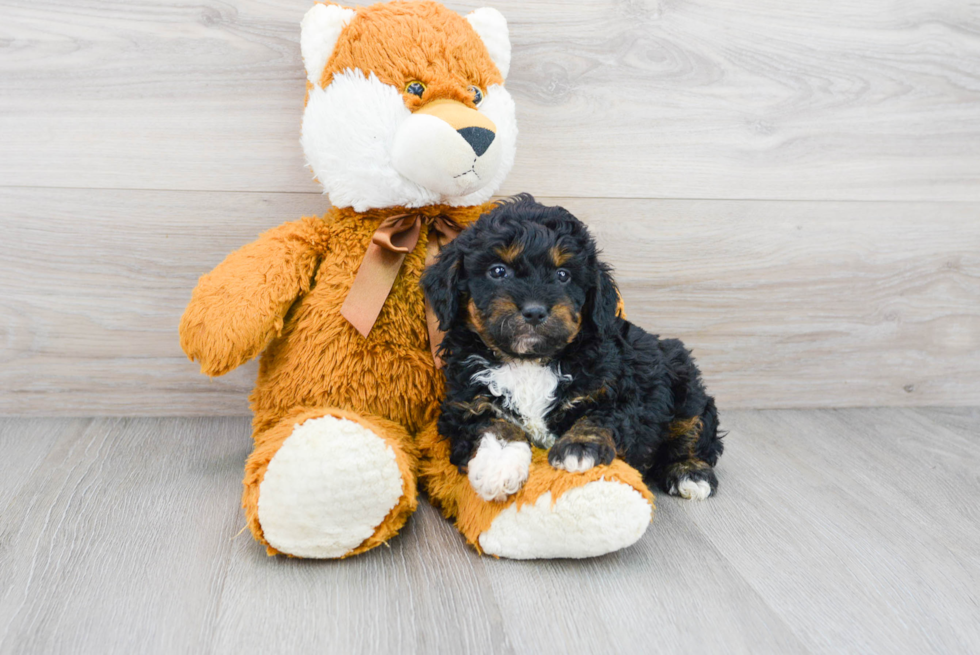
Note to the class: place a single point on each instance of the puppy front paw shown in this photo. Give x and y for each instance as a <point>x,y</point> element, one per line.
<point>499,468</point>
<point>574,456</point>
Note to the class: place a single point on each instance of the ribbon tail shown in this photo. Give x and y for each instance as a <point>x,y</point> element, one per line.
<point>371,287</point>
<point>435,334</point>
<point>432,248</point>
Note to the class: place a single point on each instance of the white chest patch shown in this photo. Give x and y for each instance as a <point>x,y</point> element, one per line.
<point>527,390</point>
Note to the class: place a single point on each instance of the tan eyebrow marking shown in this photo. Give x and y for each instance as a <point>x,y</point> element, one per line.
<point>559,256</point>
<point>510,252</point>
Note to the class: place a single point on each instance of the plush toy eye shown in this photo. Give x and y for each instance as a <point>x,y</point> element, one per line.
<point>498,271</point>
<point>477,94</point>
<point>563,275</point>
<point>416,88</point>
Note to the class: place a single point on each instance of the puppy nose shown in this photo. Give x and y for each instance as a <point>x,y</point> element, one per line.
<point>534,313</point>
<point>479,138</point>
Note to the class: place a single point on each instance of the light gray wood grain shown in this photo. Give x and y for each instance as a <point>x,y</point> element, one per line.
<point>833,531</point>
<point>961,420</point>
<point>673,592</point>
<point>795,304</point>
<point>784,303</point>
<point>849,99</point>
<point>850,524</point>
<point>425,593</point>
<point>119,540</point>
<point>25,445</point>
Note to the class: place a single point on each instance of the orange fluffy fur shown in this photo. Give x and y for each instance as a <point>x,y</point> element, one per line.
<point>429,43</point>
<point>282,295</point>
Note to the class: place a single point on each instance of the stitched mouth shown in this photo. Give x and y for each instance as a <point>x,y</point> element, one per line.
<point>472,170</point>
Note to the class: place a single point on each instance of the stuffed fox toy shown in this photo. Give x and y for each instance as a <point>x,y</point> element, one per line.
<point>409,129</point>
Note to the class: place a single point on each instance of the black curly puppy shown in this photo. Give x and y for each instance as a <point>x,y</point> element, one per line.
<point>535,352</point>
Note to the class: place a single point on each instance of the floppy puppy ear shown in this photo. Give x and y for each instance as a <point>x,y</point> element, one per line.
<point>603,300</point>
<point>318,36</point>
<point>442,284</point>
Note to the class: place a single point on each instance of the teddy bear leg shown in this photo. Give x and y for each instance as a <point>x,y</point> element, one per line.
<point>329,483</point>
<point>555,514</point>
<point>590,517</point>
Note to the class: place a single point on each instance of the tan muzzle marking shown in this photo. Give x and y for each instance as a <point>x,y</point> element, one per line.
<point>456,114</point>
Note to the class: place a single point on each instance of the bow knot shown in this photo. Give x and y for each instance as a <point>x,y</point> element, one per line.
<point>394,239</point>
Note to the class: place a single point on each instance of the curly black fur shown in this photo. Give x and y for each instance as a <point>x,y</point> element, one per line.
<point>623,391</point>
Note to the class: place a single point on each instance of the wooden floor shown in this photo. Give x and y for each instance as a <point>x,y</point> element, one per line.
<point>834,531</point>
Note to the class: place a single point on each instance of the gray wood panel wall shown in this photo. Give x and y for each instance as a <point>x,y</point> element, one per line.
<point>792,188</point>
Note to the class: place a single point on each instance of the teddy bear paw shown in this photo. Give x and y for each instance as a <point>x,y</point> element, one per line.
<point>597,518</point>
<point>332,482</point>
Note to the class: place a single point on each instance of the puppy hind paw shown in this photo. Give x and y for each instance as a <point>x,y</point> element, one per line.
<point>499,468</point>
<point>695,485</point>
<point>691,489</point>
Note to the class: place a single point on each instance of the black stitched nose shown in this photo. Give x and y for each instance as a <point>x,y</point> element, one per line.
<point>534,313</point>
<point>479,138</point>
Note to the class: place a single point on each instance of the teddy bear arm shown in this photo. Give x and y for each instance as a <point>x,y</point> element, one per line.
<point>239,307</point>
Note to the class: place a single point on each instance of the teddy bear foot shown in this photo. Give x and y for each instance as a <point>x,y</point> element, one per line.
<point>333,487</point>
<point>554,514</point>
<point>595,519</point>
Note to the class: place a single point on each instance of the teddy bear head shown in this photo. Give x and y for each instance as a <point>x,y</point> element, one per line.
<point>406,104</point>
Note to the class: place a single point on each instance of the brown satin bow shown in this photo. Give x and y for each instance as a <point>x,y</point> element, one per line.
<point>392,241</point>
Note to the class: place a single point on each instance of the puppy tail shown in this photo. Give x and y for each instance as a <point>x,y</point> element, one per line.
<point>710,446</point>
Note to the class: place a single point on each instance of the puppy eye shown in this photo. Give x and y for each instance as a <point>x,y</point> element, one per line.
<point>477,94</point>
<point>563,276</point>
<point>415,88</point>
<point>498,272</point>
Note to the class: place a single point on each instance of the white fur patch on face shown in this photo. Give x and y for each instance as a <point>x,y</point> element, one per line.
<point>597,518</point>
<point>527,389</point>
<point>499,468</point>
<point>576,464</point>
<point>326,490</point>
<point>349,132</point>
<point>691,489</point>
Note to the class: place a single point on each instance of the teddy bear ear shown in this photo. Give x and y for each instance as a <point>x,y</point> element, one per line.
<point>319,32</point>
<point>491,25</point>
